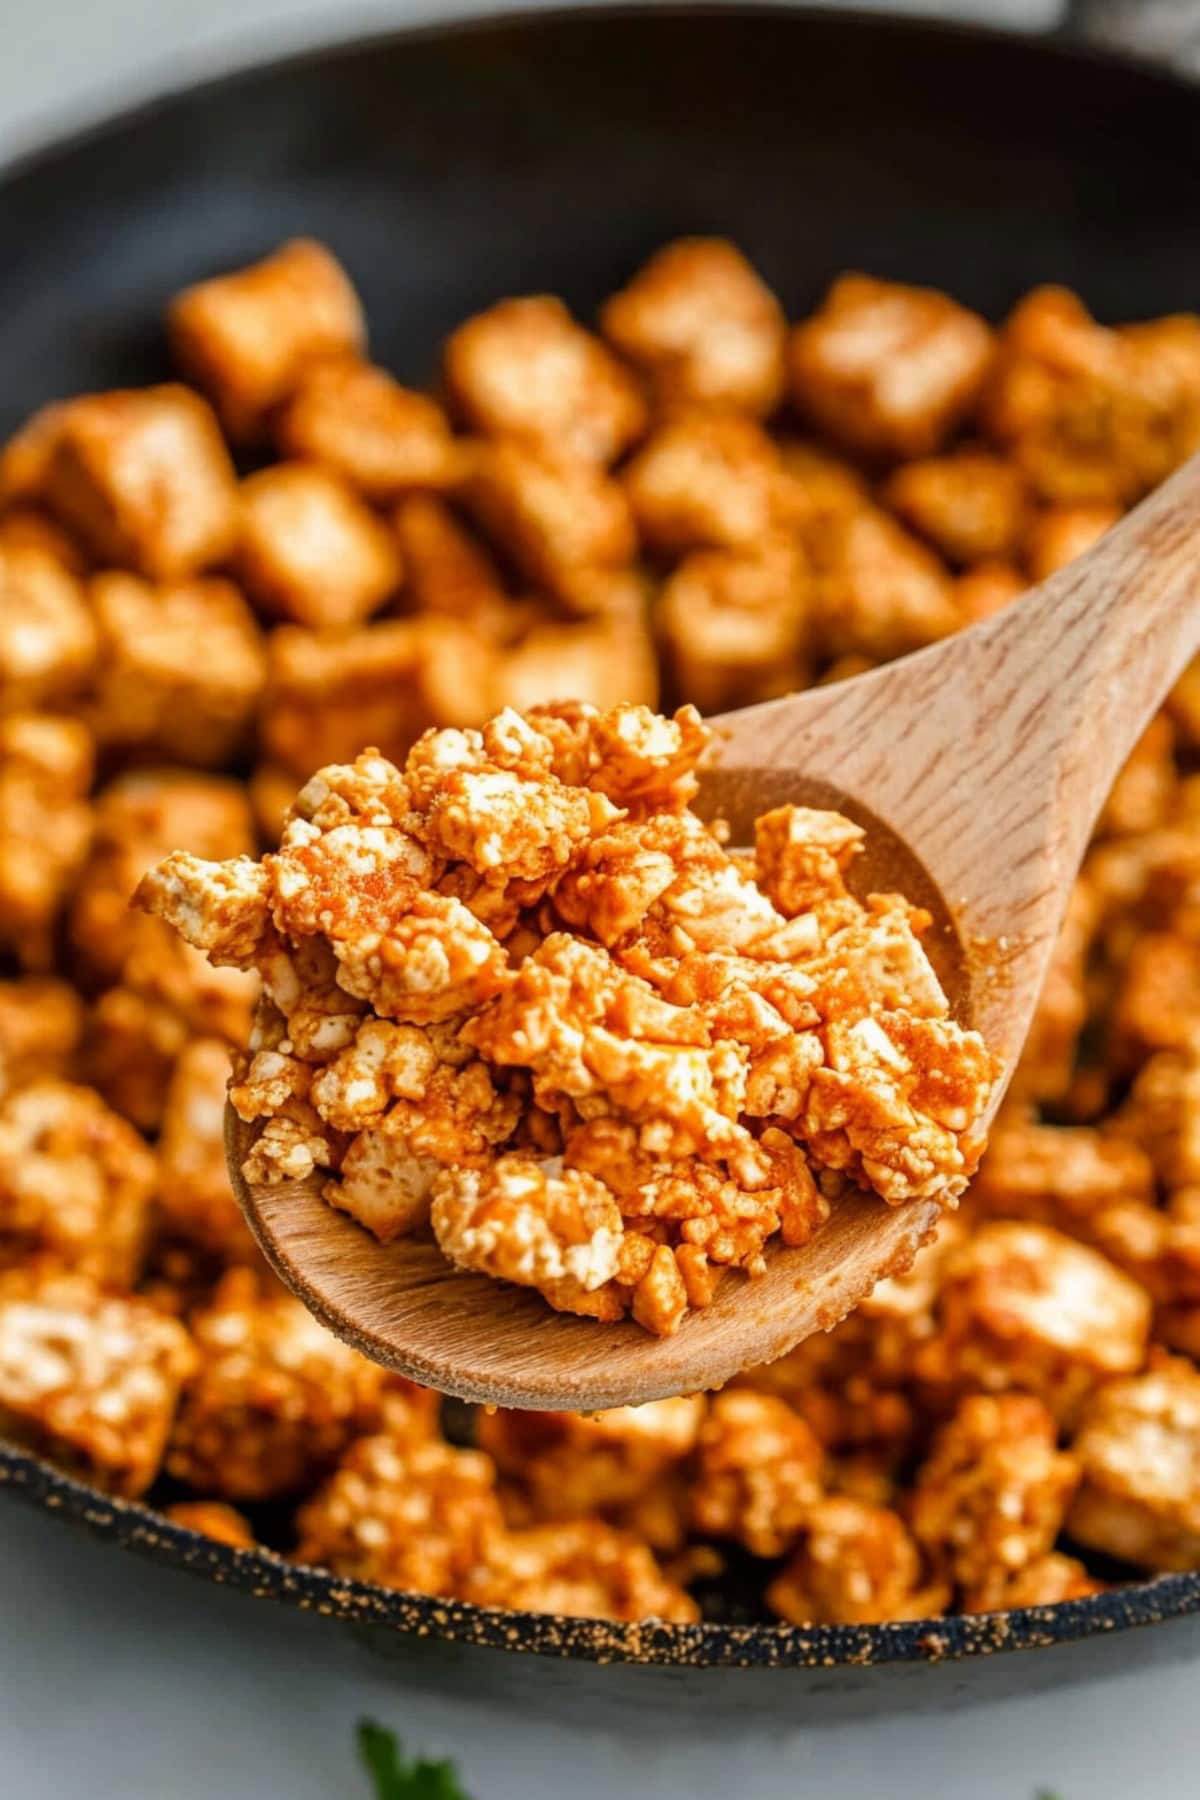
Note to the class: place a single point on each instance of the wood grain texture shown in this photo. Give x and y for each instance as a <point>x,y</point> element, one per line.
<point>979,766</point>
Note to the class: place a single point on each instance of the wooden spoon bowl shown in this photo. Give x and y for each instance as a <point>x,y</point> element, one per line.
<point>979,767</point>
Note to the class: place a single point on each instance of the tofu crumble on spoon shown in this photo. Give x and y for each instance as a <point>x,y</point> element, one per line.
<point>519,994</point>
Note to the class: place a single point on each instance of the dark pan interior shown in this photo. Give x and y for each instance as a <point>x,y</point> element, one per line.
<point>450,167</point>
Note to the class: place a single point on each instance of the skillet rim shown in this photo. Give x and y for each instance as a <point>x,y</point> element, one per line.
<point>267,1575</point>
<point>264,1573</point>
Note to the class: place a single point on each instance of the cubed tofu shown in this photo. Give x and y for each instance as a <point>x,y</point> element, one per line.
<point>1022,1306</point>
<point>275,1400</point>
<point>47,633</point>
<point>130,1046</point>
<point>991,1497</point>
<point>1059,534</point>
<point>1090,413</point>
<point>45,827</point>
<point>877,591</point>
<point>143,477</point>
<point>327,697</point>
<point>706,480</point>
<point>139,818</point>
<point>1183,705</point>
<point>384,439</point>
<point>1048,1061</point>
<point>25,458</point>
<point>195,1199</point>
<point>213,1519</point>
<point>818,484</point>
<point>271,788</point>
<point>735,625</point>
<point>1160,1117</point>
<point>1047,1581</point>
<point>447,569</point>
<point>1158,999</point>
<point>971,506</point>
<point>888,370</point>
<point>88,1379</point>
<point>247,338</point>
<point>559,520</point>
<point>702,327</point>
<point>987,589</point>
<point>1139,1447</point>
<point>25,527</point>
<point>565,1465</point>
<point>601,662</point>
<point>75,1183</point>
<point>578,1568</point>
<point>311,551</point>
<point>181,667</point>
<point>857,1565</point>
<point>403,1511</point>
<point>41,1023</point>
<point>1059,1175</point>
<point>1144,795</point>
<point>526,369</point>
<point>758,1471</point>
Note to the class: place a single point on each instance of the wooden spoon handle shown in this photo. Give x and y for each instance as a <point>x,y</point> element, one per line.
<point>991,754</point>
<point>1092,653</point>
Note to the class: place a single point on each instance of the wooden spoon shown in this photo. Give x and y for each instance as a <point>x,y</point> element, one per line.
<point>979,767</point>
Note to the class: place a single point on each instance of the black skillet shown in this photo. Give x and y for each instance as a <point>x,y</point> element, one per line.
<point>451,166</point>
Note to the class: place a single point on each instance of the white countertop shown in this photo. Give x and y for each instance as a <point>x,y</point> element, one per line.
<point>122,1681</point>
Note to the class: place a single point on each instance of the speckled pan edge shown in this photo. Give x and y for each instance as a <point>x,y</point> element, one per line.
<point>268,1576</point>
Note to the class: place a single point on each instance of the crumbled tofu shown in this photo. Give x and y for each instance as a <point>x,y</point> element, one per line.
<point>499,961</point>
<point>702,327</point>
<point>328,696</point>
<point>140,817</point>
<point>987,589</point>
<point>878,591</point>
<point>247,338</point>
<point>447,569</point>
<point>405,1512</point>
<point>565,1465</point>
<point>580,1568</point>
<point>401,901</point>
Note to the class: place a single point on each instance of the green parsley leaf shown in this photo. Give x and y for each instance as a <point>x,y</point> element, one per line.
<point>396,1778</point>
